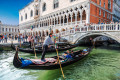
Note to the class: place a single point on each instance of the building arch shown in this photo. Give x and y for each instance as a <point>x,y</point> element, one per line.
<point>56,31</point>
<point>84,15</point>
<point>62,29</point>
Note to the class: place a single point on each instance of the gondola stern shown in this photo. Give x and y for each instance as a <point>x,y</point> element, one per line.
<point>16,61</point>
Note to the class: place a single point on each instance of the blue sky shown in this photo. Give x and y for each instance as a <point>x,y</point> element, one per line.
<point>9,10</point>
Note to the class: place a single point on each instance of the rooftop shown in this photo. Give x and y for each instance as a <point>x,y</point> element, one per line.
<point>27,5</point>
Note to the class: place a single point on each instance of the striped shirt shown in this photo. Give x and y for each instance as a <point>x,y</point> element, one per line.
<point>48,41</point>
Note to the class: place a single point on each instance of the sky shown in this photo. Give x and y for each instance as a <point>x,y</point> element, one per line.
<point>9,10</point>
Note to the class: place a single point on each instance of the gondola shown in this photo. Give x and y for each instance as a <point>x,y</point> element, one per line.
<point>49,66</point>
<point>28,50</point>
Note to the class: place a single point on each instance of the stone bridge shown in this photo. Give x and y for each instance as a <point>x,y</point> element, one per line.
<point>76,34</point>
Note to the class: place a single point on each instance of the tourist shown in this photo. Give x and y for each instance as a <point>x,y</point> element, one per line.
<point>71,53</point>
<point>5,38</point>
<point>46,43</point>
<point>26,37</point>
<point>29,39</point>
<point>59,38</point>
<point>0,38</point>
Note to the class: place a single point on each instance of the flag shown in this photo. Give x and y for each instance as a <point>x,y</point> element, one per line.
<point>32,28</point>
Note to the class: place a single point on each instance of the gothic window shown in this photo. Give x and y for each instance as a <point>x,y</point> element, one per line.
<point>56,3</point>
<point>31,13</point>
<point>26,16</point>
<point>109,4</point>
<point>36,12</point>
<point>44,7</point>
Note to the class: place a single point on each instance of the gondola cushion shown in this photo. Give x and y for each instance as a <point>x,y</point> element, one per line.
<point>26,62</point>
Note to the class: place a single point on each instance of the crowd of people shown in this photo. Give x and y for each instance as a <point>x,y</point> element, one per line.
<point>3,38</point>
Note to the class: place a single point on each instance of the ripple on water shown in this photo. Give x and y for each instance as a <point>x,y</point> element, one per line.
<point>101,64</point>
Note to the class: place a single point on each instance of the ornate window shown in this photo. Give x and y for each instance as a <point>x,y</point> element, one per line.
<point>31,13</point>
<point>21,18</point>
<point>44,7</point>
<point>36,12</point>
<point>26,16</point>
<point>103,13</point>
<point>72,0</point>
<point>56,3</point>
<point>99,2</point>
<point>99,11</point>
<point>109,4</point>
<point>104,4</point>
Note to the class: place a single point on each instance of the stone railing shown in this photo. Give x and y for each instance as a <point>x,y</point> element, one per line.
<point>91,28</point>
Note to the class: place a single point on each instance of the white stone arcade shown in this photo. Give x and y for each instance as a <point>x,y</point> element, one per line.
<point>61,20</point>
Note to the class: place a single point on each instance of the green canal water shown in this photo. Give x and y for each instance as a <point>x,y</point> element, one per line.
<point>103,63</point>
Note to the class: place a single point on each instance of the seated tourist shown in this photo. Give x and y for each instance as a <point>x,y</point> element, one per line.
<point>71,53</point>
<point>84,52</point>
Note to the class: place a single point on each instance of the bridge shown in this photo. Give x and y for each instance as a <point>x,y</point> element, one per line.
<point>78,33</point>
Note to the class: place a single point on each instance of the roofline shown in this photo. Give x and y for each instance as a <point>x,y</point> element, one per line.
<point>27,5</point>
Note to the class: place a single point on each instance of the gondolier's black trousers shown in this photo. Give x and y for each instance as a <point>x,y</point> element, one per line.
<point>30,43</point>
<point>45,47</point>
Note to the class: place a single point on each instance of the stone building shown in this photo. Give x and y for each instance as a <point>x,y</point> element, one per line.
<point>116,10</point>
<point>9,29</point>
<point>59,15</point>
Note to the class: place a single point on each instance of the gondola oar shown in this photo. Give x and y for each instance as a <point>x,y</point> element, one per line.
<point>60,64</point>
<point>34,49</point>
<point>59,59</point>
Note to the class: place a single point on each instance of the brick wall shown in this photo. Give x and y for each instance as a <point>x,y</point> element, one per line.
<point>94,11</point>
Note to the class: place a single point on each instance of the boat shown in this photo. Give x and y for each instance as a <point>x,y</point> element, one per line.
<point>48,65</point>
<point>38,51</point>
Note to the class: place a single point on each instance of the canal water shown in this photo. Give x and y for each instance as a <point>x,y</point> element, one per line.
<point>103,63</point>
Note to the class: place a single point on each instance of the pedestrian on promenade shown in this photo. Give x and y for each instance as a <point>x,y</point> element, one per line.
<point>5,38</point>
<point>29,39</point>
<point>26,37</point>
<point>0,38</point>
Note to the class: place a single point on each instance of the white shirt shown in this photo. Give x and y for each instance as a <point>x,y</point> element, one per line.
<point>48,41</point>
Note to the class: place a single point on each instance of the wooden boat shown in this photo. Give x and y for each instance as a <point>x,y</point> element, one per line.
<point>48,66</point>
<point>28,50</point>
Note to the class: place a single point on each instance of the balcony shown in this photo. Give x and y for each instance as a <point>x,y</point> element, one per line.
<point>36,17</point>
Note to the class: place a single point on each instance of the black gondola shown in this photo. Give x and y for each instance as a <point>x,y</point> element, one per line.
<point>28,50</point>
<point>48,66</point>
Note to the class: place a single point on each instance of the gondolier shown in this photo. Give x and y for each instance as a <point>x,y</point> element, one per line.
<point>46,43</point>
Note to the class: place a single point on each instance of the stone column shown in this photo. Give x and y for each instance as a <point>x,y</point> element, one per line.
<point>57,20</point>
<point>71,18</point>
<point>81,17</point>
<point>54,21</point>
<point>51,21</point>
<point>76,18</point>
<point>63,20</point>
<point>67,19</point>
<point>60,20</point>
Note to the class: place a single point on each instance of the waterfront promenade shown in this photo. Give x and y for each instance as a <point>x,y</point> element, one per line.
<point>9,42</point>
